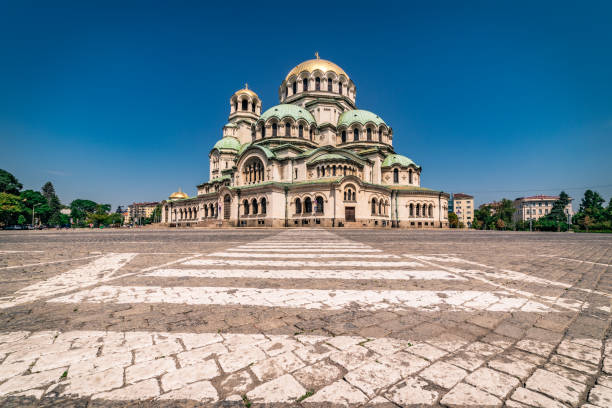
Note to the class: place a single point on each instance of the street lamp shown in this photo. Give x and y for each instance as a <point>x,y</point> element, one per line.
<point>33,207</point>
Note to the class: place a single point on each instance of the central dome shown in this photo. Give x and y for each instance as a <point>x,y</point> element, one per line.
<point>313,65</point>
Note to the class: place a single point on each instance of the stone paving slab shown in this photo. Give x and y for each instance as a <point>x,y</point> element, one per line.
<point>305,317</point>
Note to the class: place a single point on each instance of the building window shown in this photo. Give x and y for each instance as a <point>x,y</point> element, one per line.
<point>245,105</point>
<point>340,88</point>
<point>263,131</point>
<point>369,134</point>
<point>317,84</point>
<point>298,206</point>
<point>395,176</point>
<point>296,173</point>
<point>307,205</point>
<point>344,136</point>
<point>254,207</point>
<point>355,134</point>
<point>263,205</point>
<point>373,206</point>
<point>286,92</point>
<point>329,85</point>
<point>294,88</point>
<point>253,107</point>
<point>245,205</point>
<point>319,205</point>
<point>311,133</point>
<point>305,84</point>
<point>274,130</point>
<point>287,129</point>
<point>410,176</point>
<point>235,106</point>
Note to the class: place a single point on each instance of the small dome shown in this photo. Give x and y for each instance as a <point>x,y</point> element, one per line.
<point>359,116</point>
<point>246,91</point>
<point>329,157</point>
<point>227,143</point>
<point>287,110</point>
<point>178,195</point>
<point>403,161</point>
<point>313,65</point>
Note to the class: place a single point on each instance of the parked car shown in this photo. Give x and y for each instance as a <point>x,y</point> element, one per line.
<point>13,227</point>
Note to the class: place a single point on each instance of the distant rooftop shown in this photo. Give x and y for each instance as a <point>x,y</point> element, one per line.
<point>462,196</point>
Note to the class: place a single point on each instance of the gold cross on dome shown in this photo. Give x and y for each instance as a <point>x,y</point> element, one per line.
<point>246,85</point>
<point>317,54</point>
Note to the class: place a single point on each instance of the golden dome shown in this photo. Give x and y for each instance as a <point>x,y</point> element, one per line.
<point>314,64</point>
<point>246,91</point>
<point>178,195</point>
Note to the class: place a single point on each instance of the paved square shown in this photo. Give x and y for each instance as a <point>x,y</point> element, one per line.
<point>304,317</point>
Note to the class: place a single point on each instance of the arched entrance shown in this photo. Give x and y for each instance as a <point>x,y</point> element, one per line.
<point>227,209</point>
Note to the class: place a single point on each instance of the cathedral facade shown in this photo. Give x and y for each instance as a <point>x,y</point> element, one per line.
<point>313,160</point>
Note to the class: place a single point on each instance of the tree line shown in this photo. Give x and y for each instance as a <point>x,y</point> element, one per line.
<point>592,216</point>
<point>22,207</point>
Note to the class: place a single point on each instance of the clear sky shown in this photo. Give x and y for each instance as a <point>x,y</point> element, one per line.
<point>122,101</point>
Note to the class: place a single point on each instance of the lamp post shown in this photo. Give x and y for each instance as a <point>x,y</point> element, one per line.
<point>33,207</point>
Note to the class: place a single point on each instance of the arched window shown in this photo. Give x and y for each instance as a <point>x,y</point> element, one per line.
<point>307,205</point>
<point>286,92</point>
<point>344,136</point>
<point>329,84</point>
<point>301,131</point>
<point>317,84</point>
<point>410,176</point>
<point>418,210</point>
<point>305,84</point>
<point>430,211</point>
<point>373,206</point>
<point>344,195</point>
<point>253,134</point>
<point>227,209</point>
<point>318,172</point>
<point>287,129</point>
<point>263,205</point>
<point>323,171</point>
<point>380,204</point>
<point>245,105</point>
<point>294,86</point>
<point>340,88</point>
<point>355,134</point>
<point>254,206</point>
<point>205,211</point>
<point>369,133</point>
<point>319,205</point>
<point>274,130</point>
<point>253,171</point>
<point>334,170</point>
<point>245,204</point>
<point>253,104</point>
<point>263,131</point>
<point>380,135</point>
<point>235,106</point>
<point>311,133</point>
<point>395,176</point>
<point>298,206</point>
<point>353,196</point>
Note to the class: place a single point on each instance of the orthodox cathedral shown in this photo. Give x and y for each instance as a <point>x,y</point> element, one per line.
<point>313,160</point>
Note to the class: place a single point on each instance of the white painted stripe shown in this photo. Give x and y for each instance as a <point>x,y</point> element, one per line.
<point>575,260</point>
<point>294,255</point>
<point>314,242</point>
<point>307,274</point>
<point>96,271</point>
<point>313,250</point>
<point>50,262</point>
<point>424,300</point>
<point>6,251</point>
<point>325,264</point>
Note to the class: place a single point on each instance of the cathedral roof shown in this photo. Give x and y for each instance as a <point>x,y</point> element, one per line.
<point>246,91</point>
<point>178,195</point>
<point>361,117</point>
<point>329,156</point>
<point>227,143</point>
<point>316,64</point>
<point>287,110</point>
<point>403,161</point>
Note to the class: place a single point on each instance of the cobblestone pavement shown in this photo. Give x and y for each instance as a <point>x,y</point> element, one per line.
<point>307,318</point>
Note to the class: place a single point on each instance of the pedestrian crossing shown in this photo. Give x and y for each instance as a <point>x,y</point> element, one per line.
<point>295,272</point>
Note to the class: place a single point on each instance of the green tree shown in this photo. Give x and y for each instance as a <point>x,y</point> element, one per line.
<point>477,224</point>
<point>58,219</point>
<point>11,208</point>
<point>453,220</point>
<point>21,219</point>
<point>79,209</point>
<point>34,199</point>
<point>48,191</point>
<point>500,224</point>
<point>592,216</point>
<point>505,211</point>
<point>9,183</point>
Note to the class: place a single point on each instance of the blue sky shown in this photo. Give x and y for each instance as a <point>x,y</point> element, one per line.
<point>121,101</point>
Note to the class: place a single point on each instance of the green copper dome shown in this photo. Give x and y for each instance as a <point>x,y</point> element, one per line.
<point>403,161</point>
<point>359,116</point>
<point>243,148</point>
<point>227,143</point>
<point>287,110</point>
<point>329,157</point>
